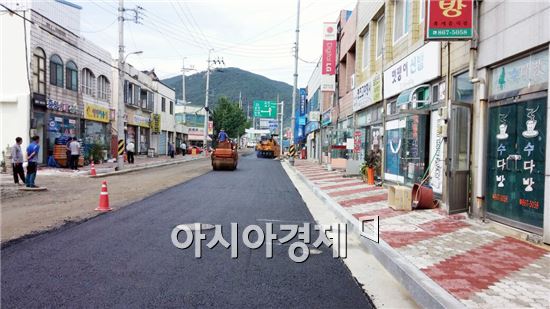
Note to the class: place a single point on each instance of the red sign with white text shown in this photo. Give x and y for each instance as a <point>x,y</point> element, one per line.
<point>329,49</point>
<point>450,19</point>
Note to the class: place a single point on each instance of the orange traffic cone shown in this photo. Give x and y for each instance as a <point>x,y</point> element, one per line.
<point>92,170</point>
<point>103,198</point>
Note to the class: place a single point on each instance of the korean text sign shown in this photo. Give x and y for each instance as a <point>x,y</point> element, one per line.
<point>450,20</point>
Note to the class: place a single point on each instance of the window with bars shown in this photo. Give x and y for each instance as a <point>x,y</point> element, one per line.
<point>56,71</point>
<point>88,82</point>
<point>39,71</point>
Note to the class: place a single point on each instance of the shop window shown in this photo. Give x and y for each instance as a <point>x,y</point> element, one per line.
<point>171,108</point>
<point>56,71</point>
<point>88,82</point>
<point>103,88</point>
<point>381,34</point>
<point>163,105</point>
<point>71,73</point>
<point>401,19</point>
<point>39,71</point>
<point>366,50</point>
<point>463,88</point>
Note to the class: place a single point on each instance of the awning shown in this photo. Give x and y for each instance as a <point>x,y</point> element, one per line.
<point>199,138</point>
<point>416,94</point>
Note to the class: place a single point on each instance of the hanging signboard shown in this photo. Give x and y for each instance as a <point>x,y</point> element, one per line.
<point>450,20</point>
<point>155,123</point>
<point>329,49</point>
<point>303,98</point>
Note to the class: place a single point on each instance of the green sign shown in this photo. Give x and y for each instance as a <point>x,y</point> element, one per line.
<point>265,109</point>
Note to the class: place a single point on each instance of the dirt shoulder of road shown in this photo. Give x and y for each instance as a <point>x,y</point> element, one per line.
<point>72,199</point>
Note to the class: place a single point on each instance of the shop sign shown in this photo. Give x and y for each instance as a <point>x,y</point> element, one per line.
<point>138,120</point>
<point>96,112</point>
<point>303,99</point>
<point>357,141</point>
<point>436,152</point>
<point>522,73</point>
<point>367,93</point>
<point>62,107</point>
<point>312,126</point>
<point>196,131</point>
<point>450,20</point>
<point>328,83</point>
<point>302,120</point>
<point>329,49</point>
<point>210,127</point>
<point>421,66</point>
<point>155,123</point>
<point>39,99</point>
<point>327,118</point>
<point>314,116</point>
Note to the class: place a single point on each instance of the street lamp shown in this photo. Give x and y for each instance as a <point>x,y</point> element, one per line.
<point>122,109</point>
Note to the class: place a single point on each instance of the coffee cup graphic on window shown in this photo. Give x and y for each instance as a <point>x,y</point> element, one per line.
<point>530,132</point>
<point>502,131</point>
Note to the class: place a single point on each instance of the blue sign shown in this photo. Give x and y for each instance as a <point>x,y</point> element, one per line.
<point>312,126</point>
<point>302,120</point>
<point>303,99</point>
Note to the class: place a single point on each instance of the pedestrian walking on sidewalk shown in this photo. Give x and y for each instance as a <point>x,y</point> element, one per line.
<point>171,149</point>
<point>183,147</point>
<point>32,156</point>
<point>17,161</point>
<point>130,148</point>
<point>74,146</point>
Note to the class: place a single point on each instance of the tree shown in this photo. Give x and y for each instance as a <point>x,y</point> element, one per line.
<point>229,116</point>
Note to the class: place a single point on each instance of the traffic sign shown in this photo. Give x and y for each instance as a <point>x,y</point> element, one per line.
<point>265,109</point>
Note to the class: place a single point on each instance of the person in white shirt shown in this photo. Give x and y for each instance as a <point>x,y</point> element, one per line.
<point>130,148</point>
<point>17,162</point>
<point>183,148</point>
<point>74,147</point>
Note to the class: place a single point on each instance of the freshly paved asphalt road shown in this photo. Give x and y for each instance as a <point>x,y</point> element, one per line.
<point>126,258</point>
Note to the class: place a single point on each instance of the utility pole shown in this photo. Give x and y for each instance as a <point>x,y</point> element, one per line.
<point>121,64</point>
<point>295,86</point>
<point>205,141</point>
<point>183,69</point>
<point>121,107</point>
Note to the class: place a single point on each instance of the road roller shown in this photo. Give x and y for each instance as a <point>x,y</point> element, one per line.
<point>267,147</point>
<point>225,156</point>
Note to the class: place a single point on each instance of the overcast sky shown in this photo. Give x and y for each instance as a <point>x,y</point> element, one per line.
<point>253,35</point>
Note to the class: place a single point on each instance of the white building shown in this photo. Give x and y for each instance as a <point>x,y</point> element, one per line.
<point>54,83</point>
<point>165,98</point>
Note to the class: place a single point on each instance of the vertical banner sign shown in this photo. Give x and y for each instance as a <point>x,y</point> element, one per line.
<point>450,20</point>
<point>210,127</point>
<point>329,49</point>
<point>303,96</point>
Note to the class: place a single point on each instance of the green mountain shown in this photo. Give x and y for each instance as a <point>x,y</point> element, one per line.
<point>229,82</point>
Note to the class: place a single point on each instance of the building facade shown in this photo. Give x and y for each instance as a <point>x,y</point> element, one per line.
<point>66,91</point>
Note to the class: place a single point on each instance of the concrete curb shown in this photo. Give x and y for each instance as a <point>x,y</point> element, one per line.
<point>423,290</point>
<point>141,168</point>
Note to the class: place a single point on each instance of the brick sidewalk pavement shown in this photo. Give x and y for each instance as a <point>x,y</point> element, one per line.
<point>477,266</point>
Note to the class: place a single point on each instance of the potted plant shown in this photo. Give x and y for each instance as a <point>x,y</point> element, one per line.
<point>372,161</point>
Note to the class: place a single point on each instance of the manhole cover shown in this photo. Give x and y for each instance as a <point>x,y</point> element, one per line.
<point>194,226</point>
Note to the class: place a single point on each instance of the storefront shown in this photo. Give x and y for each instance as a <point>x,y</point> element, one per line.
<point>138,131</point>
<point>517,136</point>
<point>96,128</point>
<point>368,110</point>
<point>408,87</point>
<point>64,121</point>
<point>39,124</point>
<point>312,132</point>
